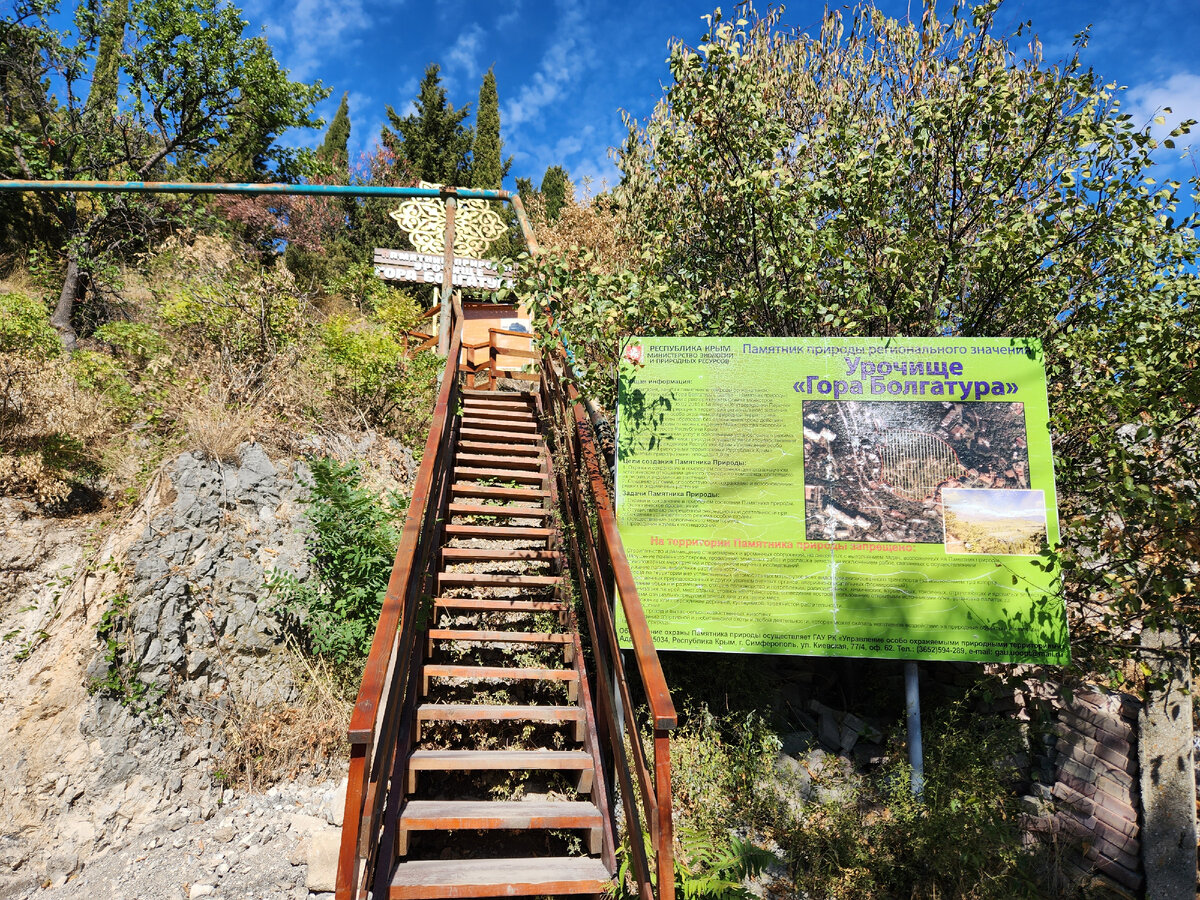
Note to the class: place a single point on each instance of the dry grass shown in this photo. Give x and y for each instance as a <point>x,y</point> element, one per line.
<point>264,745</point>
<point>50,429</point>
<point>216,429</point>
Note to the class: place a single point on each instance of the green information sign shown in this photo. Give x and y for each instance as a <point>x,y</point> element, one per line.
<point>889,498</point>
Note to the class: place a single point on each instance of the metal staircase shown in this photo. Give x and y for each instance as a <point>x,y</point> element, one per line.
<point>500,578</point>
<point>489,736</point>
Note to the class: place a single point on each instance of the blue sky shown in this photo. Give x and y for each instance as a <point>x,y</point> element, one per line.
<point>566,68</point>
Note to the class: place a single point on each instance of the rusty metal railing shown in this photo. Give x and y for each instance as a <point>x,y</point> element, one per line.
<point>379,726</point>
<point>599,563</point>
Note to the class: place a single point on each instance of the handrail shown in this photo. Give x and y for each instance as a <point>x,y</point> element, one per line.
<point>602,556</point>
<point>662,709</point>
<point>376,723</point>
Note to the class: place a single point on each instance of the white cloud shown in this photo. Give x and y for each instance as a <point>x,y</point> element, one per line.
<point>1180,93</point>
<point>565,59</point>
<point>406,96</point>
<point>306,32</point>
<point>463,56</point>
<point>510,16</point>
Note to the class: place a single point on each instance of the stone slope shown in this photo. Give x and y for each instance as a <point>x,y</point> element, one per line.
<point>86,777</point>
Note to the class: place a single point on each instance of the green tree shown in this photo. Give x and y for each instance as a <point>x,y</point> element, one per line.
<point>556,184</point>
<point>146,87</point>
<point>929,179</point>
<point>335,148</point>
<point>432,141</point>
<point>488,167</point>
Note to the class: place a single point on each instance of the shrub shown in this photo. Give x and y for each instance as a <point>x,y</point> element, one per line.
<point>368,364</point>
<point>135,340</point>
<point>720,766</point>
<point>960,840</point>
<point>351,548</point>
<point>247,316</point>
<point>101,373</point>
<point>25,328</point>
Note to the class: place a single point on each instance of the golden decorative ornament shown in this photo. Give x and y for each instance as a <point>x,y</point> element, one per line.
<point>423,219</point>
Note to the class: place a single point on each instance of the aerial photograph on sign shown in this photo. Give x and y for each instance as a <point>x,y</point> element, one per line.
<point>877,471</point>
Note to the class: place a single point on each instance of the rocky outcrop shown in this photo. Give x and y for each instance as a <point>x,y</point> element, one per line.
<point>196,623</point>
<point>128,639</point>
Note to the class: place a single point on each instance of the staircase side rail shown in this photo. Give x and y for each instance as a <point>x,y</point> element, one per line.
<point>599,553</point>
<point>375,723</point>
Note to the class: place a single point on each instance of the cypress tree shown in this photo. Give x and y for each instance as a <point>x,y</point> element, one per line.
<point>334,149</point>
<point>487,170</point>
<point>555,185</point>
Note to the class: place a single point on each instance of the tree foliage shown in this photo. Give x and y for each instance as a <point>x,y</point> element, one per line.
<point>351,546</point>
<point>432,140</point>
<point>932,178</point>
<point>140,89</point>
<point>334,149</point>
<point>556,185</point>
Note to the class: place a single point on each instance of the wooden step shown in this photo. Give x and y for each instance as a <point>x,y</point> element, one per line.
<point>492,414</point>
<point>501,761</point>
<point>508,462</point>
<point>507,449</point>
<point>471,636</point>
<point>499,637</point>
<point>502,580</point>
<point>500,426</point>
<point>507,512</point>
<point>489,434</point>
<point>456,815</point>
<point>477,394</point>
<point>491,554</point>
<point>495,492</point>
<point>502,673</point>
<point>525,877</point>
<point>499,604</point>
<point>471,473</point>
<point>474,712</point>
<point>478,403</point>
<point>498,532</point>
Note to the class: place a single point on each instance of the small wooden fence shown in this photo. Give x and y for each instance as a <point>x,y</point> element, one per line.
<point>385,709</point>
<point>504,347</point>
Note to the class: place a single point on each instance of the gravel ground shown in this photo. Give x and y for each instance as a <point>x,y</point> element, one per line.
<point>254,847</point>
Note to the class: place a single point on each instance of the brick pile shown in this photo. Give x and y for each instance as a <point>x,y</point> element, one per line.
<point>1092,813</point>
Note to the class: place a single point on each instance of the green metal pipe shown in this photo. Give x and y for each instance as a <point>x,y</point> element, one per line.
<point>209,187</point>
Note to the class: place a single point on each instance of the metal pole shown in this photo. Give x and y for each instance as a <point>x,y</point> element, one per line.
<point>447,280</point>
<point>912,707</point>
<point>215,187</point>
